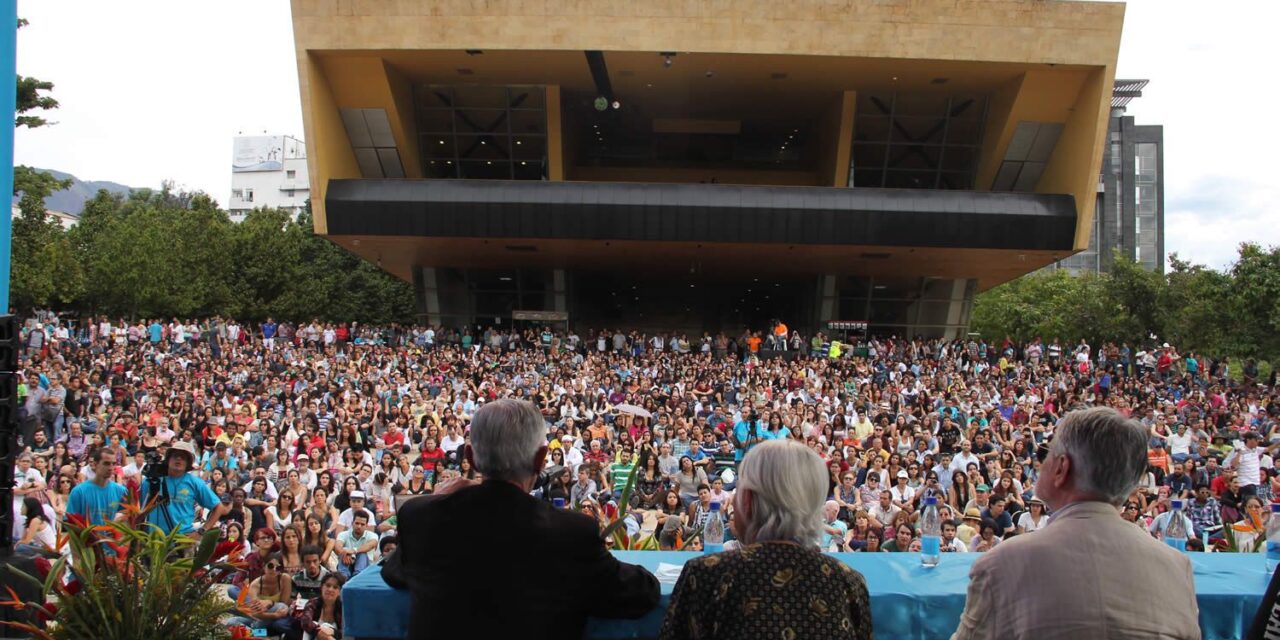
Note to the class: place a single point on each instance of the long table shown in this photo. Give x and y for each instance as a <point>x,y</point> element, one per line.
<point>908,601</point>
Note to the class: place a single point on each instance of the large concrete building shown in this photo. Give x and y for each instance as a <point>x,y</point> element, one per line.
<point>707,164</point>
<point>1128,216</point>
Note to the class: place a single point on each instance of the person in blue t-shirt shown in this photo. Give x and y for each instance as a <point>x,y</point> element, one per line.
<point>269,334</point>
<point>98,501</point>
<point>155,332</point>
<point>747,434</point>
<point>185,491</point>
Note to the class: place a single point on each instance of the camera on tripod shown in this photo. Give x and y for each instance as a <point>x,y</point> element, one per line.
<point>156,468</point>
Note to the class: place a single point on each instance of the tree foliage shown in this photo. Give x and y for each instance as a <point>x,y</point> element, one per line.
<point>1232,313</point>
<point>169,253</point>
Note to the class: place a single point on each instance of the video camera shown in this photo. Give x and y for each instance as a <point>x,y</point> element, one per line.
<point>156,468</point>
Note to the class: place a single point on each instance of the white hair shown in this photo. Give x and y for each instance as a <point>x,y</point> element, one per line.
<point>505,435</point>
<point>788,486</point>
<point>1108,452</point>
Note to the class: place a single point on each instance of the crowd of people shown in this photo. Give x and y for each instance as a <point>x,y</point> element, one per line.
<point>304,440</point>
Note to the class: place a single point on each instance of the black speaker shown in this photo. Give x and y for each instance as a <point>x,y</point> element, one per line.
<point>10,339</point>
<point>10,343</point>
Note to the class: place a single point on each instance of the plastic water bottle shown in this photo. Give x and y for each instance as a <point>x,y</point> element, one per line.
<point>1175,532</point>
<point>930,533</point>
<point>558,503</point>
<point>713,531</point>
<point>1273,539</point>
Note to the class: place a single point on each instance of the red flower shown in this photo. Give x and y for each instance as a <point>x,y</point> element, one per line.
<point>43,567</point>
<point>77,521</point>
<point>240,632</point>
<point>47,612</point>
<point>73,587</point>
<point>225,549</point>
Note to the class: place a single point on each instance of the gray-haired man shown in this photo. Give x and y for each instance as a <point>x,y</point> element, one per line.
<point>1110,578</point>
<point>511,559</point>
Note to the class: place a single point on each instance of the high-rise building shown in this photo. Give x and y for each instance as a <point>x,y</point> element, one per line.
<point>707,165</point>
<point>268,171</point>
<point>1129,213</point>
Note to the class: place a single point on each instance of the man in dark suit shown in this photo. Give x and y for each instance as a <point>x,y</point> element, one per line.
<point>488,560</point>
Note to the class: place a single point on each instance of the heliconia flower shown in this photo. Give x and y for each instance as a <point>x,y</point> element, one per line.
<point>43,567</point>
<point>73,587</point>
<point>77,521</point>
<point>225,549</point>
<point>47,612</point>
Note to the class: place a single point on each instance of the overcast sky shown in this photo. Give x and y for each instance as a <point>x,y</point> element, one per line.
<point>155,89</point>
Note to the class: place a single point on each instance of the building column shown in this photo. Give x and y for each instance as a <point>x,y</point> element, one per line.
<point>828,301</point>
<point>559,291</point>
<point>428,294</point>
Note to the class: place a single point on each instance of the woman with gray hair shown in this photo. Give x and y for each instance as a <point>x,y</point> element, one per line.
<point>782,486</point>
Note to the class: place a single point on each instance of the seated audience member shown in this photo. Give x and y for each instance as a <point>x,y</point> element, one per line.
<point>782,486</point>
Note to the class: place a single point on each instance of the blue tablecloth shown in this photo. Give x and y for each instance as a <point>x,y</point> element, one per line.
<point>908,602</point>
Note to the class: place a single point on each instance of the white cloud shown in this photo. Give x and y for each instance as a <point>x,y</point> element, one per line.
<point>155,89</point>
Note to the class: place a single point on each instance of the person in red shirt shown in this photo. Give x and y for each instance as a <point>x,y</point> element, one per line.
<point>393,437</point>
<point>432,455</point>
<point>1220,483</point>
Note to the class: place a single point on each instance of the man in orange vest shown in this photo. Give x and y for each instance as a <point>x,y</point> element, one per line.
<point>780,336</point>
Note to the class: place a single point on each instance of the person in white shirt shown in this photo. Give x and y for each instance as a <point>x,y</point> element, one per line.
<point>949,540</point>
<point>902,492</point>
<point>1247,462</point>
<point>1180,444</point>
<point>1034,518</point>
<point>572,455</point>
<point>966,457</point>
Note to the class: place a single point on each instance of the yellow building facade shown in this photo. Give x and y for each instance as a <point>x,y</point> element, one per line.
<point>876,160</point>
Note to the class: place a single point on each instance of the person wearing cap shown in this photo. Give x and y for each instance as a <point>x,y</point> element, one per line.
<point>572,455</point>
<point>1247,462</point>
<point>183,492</point>
<point>969,527</point>
<point>358,505</point>
<point>496,529</point>
<point>1034,518</point>
<point>981,497</point>
<point>1111,580</point>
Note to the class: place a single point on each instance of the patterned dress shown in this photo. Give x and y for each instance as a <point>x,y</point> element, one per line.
<point>768,591</point>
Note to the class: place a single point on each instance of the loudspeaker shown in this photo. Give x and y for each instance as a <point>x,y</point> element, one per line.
<point>10,339</point>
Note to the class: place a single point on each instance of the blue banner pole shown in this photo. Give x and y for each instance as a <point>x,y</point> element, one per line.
<point>8,100</point>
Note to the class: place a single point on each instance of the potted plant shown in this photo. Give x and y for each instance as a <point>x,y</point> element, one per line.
<point>127,579</point>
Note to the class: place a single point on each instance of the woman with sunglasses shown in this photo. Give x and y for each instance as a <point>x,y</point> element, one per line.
<point>268,601</point>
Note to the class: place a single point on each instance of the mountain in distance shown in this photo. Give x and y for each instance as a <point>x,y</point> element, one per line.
<point>71,200</point>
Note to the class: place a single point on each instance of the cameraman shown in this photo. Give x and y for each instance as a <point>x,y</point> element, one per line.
<point>746,434</point>
<point>179,492</point>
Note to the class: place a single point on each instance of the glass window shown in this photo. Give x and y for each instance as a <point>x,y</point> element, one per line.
<point>492,132</point>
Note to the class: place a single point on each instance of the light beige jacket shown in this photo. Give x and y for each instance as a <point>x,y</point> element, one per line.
<point>1087,575</point>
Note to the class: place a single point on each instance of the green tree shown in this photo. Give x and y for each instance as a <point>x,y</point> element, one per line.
<point>44,268</point>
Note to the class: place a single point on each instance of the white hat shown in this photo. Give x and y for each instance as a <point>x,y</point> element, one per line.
<point>183,447</point>
<point>303,456</point>
<point>902,473</point>
<point>357,494</point>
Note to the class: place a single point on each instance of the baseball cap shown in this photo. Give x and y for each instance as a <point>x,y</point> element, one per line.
<point>357,494</point>
<point>902,473</point>
<point>983,487</point>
